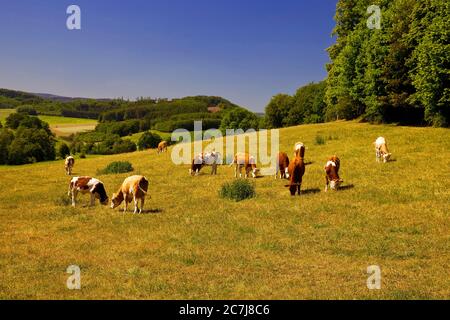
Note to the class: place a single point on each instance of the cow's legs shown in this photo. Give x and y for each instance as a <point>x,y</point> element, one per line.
<point>135,204</point>
<point>299,186</point>
<point>92,203</point>
<point>74,197</point>
<point>326,183</point>
<point>142,204</point>
<point>125,208</point>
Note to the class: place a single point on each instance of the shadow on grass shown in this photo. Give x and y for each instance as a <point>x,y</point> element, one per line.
<point>152,211</point>
<point>350,186</point>
<point>310,191</point>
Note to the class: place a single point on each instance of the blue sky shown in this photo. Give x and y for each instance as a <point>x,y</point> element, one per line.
<point>244,50</point>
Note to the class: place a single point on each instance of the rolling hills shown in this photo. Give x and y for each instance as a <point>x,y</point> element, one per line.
<point>191,244</point>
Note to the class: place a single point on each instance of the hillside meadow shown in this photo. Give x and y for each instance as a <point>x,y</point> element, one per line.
<point>60,126</point>
<point>191,244</point>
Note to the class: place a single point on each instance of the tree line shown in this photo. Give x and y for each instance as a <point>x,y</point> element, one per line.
<point>399,73</point>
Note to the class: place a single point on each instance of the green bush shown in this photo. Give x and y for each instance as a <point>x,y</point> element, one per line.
<point>116,167</point>
<point>148,140</point>
<point>238,190</point>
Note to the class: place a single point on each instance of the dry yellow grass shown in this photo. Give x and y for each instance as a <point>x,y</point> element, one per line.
<point>194,245</point>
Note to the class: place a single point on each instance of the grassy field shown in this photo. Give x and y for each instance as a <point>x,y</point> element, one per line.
<point>61,126</point>
<point>191,244</point>
<point>4,113</point>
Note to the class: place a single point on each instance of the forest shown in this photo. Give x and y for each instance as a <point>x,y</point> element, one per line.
<point>399,73</point>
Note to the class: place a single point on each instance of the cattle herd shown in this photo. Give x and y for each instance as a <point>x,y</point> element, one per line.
<point>135,188</point>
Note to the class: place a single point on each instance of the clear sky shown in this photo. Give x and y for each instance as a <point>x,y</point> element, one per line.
<point>243,50</point>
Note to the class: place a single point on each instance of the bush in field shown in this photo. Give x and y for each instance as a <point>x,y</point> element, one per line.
<point>117,167</point>
<point>63,151</point>
<point>149,140</point>
<point>238,190</point>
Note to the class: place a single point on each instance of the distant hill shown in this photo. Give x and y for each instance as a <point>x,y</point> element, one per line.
<point>133,116</point>
<point>58,98</point>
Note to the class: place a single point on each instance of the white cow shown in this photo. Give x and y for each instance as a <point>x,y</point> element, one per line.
<point>212,159</point>
<point>68,165</point>
<point>381,150</point>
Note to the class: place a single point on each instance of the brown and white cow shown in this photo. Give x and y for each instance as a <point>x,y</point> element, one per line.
<point>87,185</point>
<point>68,165</point>
<point>282,166</point>
<point>381,150</point>
<point>162,146</point>
<point>332,173</point>
<point>246,161</point>
<point>296,169</point>
<point>133,188</point>
<point>212,159</point>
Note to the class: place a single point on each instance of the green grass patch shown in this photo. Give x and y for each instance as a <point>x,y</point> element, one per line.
<point>116,167</point>
<point>238,190</point>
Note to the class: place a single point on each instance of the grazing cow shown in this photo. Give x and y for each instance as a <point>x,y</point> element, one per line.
<point>162,146</point>
<point>205,159</point>
<point>68,165</point>
<point>244,160</point>
<point>296,169</point>
<point>332,173</point>
<point>133,188</point>
<point>282,166</point>
<point>88,185</point>
<point>381,150</point>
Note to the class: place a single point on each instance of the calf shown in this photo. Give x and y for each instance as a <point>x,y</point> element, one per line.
<point>244,160</point>
<point>162,146</point>
<point>282,166</point>
<point>68,165</point>
<point>87,185</point>
<point>133,188</point>
<point>205,159</point>
<point>381,150</point>
<point>332,173</point>
<point>296,169</point>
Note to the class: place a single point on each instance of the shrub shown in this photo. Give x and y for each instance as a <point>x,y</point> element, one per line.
<point>238,190</point>
<point>148,140</point>
<point>117,167</point>
<point>320,140</point>
<point>82,155</point>
<point>63,151</point>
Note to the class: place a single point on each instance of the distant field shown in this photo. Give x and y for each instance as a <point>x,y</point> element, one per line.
<point>61,126</point>
<point>192,244</point>
<point>4,113</point>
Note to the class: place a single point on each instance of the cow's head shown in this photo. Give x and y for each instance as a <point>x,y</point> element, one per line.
<point>386,157</point>
<point>334,184</point>
<point>255,171</point>
<point>116,200</point>
<point>100,193</point>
